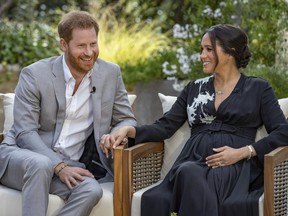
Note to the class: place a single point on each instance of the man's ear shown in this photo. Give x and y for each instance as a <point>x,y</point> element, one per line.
<point>63,44</point>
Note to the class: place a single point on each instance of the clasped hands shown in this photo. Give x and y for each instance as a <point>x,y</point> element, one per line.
<point>223,156</point>
<point>107,143</point>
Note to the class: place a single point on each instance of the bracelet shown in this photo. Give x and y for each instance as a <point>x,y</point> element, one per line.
<point>57,165</point>
<point>250,151</point>
<point>61,168</point>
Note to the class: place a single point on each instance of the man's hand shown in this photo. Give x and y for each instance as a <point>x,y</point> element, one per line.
<point>106,144</point>
<point>120,136</point>
<point>71,175</point>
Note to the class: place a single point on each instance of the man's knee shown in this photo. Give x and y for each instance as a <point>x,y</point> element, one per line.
<point>92,188</point>
<point>40,165</point>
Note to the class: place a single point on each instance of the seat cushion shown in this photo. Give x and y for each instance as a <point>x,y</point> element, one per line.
<point>136,200</point>
<point>173,145</point>
<point>105,205</point>
<point>8,103</point>
<point>10,203</point>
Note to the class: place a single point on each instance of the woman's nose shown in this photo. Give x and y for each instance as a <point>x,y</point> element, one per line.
<point>202,55</point>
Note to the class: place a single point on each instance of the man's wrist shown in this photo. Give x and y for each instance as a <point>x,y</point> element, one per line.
<point>59,167</point>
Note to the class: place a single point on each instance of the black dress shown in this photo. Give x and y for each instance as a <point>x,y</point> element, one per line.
<point>191,188</point>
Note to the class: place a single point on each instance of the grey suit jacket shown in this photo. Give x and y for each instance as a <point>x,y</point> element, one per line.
<point>40,106</point>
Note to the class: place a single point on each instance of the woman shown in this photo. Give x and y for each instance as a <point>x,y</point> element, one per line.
<point>220,169</point>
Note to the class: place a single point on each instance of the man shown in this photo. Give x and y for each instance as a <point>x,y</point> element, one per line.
<point>61,103</point>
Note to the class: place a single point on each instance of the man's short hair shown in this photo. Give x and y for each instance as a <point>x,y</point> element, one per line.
<point>73,20</point>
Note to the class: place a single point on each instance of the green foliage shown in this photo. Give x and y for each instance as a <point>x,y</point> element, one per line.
<point>277,78</point>
<point>133,33</point>
<point>145,70</point>
<point>30,30</point>
<point>129,44</point>
<point>135,47</point>
<point>27,42</point>
<point>264,28</point>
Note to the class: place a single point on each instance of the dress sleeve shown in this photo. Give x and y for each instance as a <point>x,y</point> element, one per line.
<point>274,122</point>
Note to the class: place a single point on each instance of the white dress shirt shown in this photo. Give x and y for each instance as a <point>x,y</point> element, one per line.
<point>78,123</point>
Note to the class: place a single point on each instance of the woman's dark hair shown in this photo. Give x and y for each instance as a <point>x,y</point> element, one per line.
<point>233,41</point>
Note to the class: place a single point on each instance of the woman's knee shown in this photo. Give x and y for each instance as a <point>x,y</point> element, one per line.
<point>188,169</point>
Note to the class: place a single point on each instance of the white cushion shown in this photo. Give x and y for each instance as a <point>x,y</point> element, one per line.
<point>136,199</point>
<point>261,132</point>
<point>11,199</point>
<point>105,205</point>
<point>131,98</point>
<point>11,202</point>
<point>8,103</point>
<point>283,102</point>
<point>173,145</point>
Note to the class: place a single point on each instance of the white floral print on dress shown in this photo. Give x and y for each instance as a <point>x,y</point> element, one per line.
<point>198,103</point>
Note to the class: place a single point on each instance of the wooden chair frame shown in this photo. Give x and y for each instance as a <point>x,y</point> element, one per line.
<point>276,182</point>
<point>275,176</point>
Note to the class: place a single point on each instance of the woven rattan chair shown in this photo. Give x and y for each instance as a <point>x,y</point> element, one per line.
<point>142,165</point>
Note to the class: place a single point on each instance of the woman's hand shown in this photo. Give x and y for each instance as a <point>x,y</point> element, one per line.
<point>121,134</point>
<point>226,155</point>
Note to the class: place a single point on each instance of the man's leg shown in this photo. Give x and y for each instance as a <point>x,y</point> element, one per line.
<point>81,199</point>
<point>31,173</point>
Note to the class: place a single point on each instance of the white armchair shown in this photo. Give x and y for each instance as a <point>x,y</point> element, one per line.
<point>109,205</point>
<point>145,165</point>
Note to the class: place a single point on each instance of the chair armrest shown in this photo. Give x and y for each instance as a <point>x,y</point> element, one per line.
<point>141,167</point>
<point>118,180</point>
<point>276,182</point>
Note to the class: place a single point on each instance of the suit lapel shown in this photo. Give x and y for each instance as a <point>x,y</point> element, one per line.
<point>97,82</point>
<point>60,89</point>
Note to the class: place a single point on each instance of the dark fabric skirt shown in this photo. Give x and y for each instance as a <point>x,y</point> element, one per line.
<point>191,188</point>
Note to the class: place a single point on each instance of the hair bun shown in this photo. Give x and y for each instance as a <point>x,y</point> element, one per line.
<point>244,57</point>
